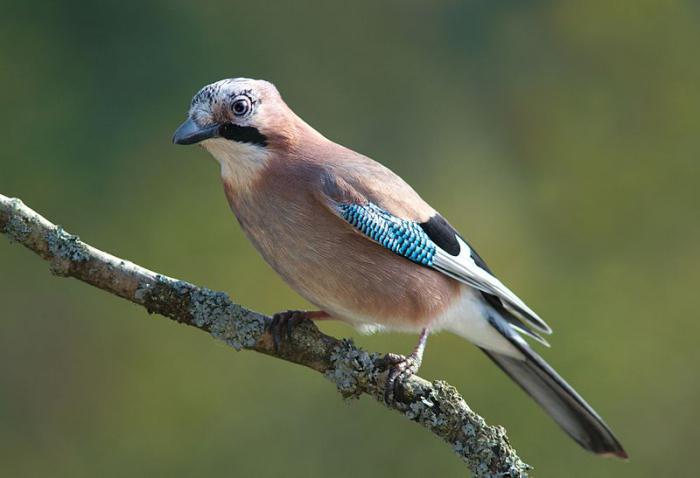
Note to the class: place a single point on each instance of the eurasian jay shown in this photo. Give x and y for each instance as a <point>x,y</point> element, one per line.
<point>358,242</point>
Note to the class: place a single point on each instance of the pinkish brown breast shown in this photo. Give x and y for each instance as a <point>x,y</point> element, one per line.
<point>326,261</point>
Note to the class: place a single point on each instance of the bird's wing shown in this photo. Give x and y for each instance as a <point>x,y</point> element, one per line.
<point>466,266</point>
<point>431,243</point>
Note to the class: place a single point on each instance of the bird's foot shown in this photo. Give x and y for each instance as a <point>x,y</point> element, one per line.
<point>400,369</point>
<point>284,322</point>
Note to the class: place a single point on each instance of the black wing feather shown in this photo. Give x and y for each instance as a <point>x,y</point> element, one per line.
<point>441,232</point>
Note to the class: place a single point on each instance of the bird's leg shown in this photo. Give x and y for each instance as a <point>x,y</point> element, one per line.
<point>403,367</point>
<point>288,320</point>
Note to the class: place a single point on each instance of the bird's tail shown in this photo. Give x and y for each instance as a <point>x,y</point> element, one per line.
<point>557,397</point>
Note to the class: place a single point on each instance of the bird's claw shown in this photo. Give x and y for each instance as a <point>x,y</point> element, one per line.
<point>285,321</point>
<point>400,368</point>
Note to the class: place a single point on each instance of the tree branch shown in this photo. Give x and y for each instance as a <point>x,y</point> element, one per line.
<point>437,405</point>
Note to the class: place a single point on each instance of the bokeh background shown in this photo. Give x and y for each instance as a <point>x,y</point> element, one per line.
<point>560,137</point>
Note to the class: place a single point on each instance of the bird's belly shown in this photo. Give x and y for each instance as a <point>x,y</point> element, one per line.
<point>375,289</point>
<point>351,277</point>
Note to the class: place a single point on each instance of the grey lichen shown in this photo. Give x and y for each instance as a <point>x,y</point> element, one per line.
<point>204,308</point>
<point>63,245</point>
<point>486,449</point>
<point>353,370</point>
<point>425,411</point>
<point>433,406</point>
<point>164,295</point>
<point>17,229</point>
<point>225,320</point>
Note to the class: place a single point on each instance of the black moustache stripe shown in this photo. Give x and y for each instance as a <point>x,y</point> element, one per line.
<point>242,134</point>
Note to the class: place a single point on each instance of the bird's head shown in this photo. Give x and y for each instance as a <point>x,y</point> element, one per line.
<point>237,109</point>
<point>240,121</point>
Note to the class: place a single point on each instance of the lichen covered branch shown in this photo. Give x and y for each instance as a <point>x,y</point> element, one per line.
<point>437,406</point>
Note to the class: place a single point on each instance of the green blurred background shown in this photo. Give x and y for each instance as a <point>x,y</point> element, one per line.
<point>560,137</point>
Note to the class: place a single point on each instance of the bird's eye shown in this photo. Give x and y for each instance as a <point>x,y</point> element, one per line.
<point>241,106</point>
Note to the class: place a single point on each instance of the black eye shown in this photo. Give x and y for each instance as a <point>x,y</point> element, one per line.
<point>241,106</point>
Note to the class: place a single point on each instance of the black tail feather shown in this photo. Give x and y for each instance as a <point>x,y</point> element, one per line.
<point>559,400</point>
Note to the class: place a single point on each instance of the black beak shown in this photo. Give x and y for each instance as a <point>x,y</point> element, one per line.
<point>191,133</point>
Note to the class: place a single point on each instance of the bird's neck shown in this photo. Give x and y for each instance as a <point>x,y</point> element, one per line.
<point>244,164</point>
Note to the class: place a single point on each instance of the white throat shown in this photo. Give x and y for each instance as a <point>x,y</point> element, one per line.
<point>241,163</point>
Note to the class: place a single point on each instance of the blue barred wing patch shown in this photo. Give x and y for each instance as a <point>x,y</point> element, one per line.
<point>403,237</point>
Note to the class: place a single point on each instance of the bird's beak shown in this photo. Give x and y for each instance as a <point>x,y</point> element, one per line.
<point>190,132</point>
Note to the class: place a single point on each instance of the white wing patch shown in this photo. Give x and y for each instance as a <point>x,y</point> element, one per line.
<point>464,269</point>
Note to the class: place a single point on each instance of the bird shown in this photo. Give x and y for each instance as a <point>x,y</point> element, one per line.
<point>354,239</point>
